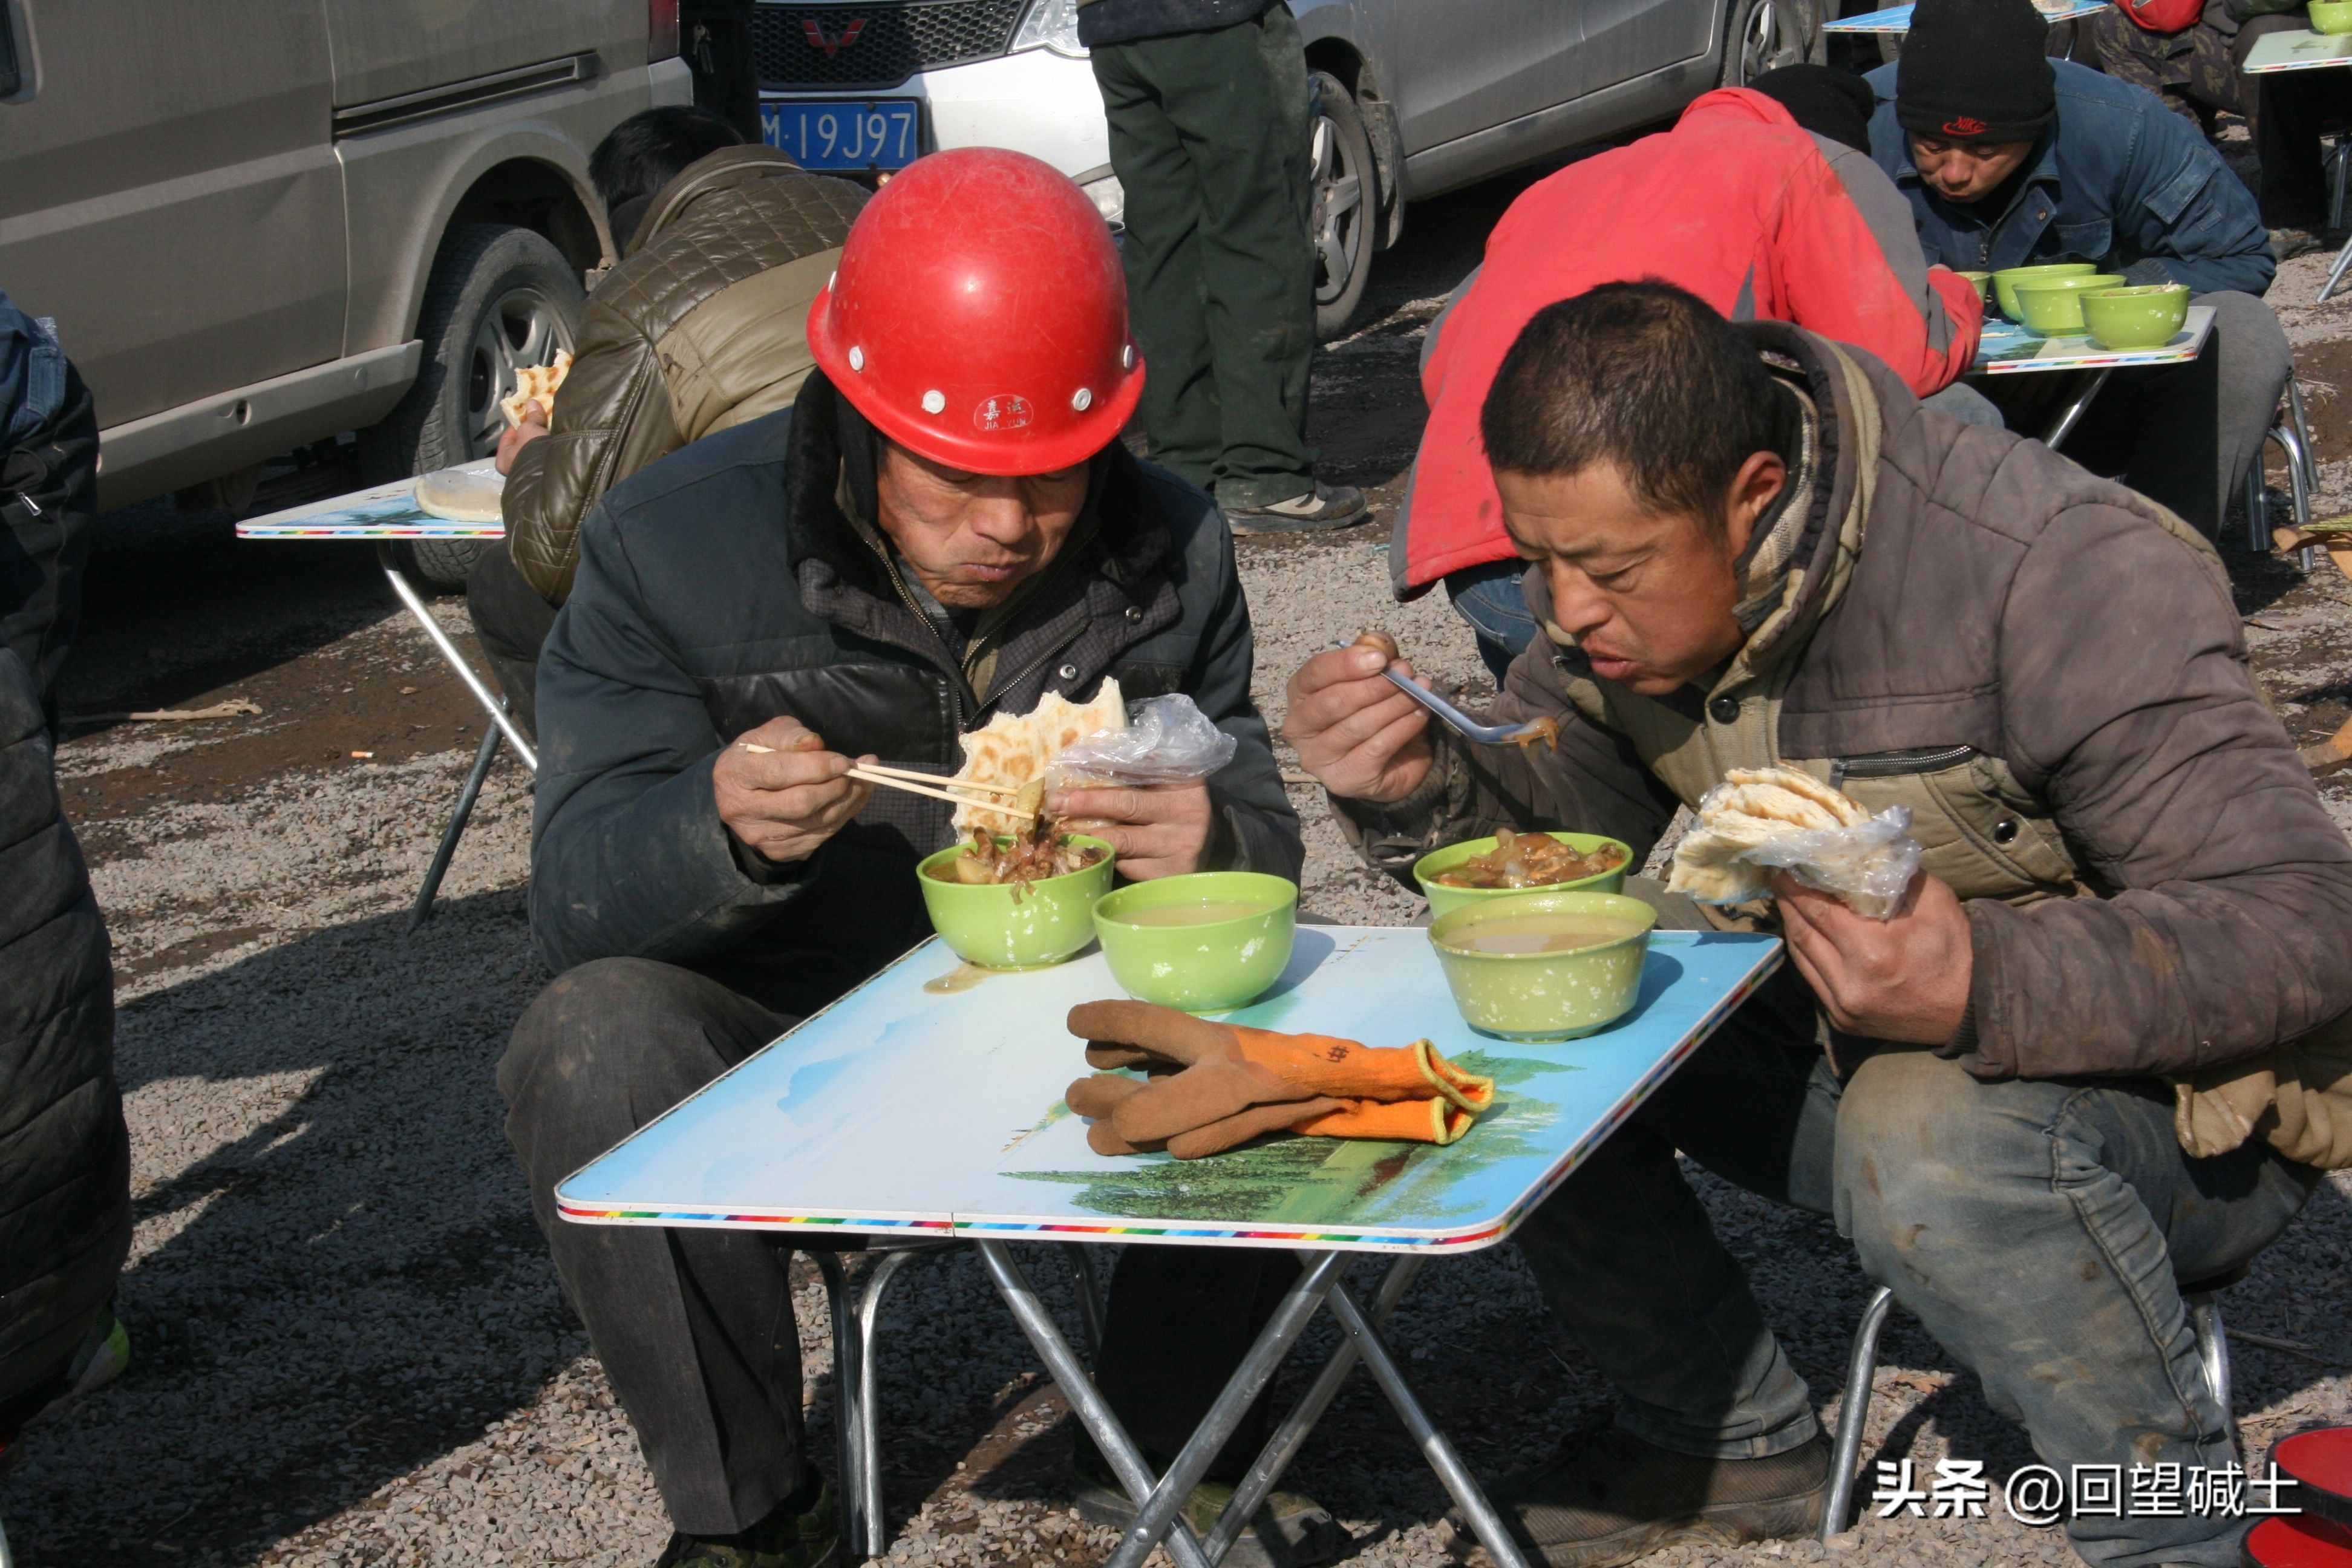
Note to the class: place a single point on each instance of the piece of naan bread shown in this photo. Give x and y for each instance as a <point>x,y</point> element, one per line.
<point>1748,810</point>
<point>536,384</point>
<point>1016,748</point>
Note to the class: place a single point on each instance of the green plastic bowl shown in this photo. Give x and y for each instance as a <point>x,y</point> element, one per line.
<point>1207,967</point>
<point>1443,899</point>
<point>1543,995</point>
<point>1983,280</point>
<point>2138,318</point>
<point>985,926</point>
<point>2053,306</point>
<point>2331,15</point>
<point>2005,282</point>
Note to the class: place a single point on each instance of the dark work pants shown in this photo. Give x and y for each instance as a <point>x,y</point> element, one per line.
<point>2038,1228</point>
<point>695,1328</point>
<point>512,621</point>
<point>1209,138</point>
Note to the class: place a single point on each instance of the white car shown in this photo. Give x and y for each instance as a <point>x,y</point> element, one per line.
<point>1413,98</point>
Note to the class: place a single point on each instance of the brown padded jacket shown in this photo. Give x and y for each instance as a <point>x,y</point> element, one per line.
<point>2049,671</point>
<point>703,326</point>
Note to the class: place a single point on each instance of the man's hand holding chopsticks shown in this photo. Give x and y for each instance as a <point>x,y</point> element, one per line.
<point>782,793</point>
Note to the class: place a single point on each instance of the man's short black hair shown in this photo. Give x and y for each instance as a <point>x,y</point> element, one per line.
<point>653,147</point>
<point>1643,376</point>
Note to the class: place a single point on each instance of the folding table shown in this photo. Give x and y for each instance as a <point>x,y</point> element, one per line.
<point>2301,50</point>
<point>386,513</point>
<point>1897,18</point>
<point>2008,349</point>
<point>983,1150</point>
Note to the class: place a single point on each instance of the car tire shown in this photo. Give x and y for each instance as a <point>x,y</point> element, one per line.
<point>1345,226</point>
<point>1765,35</point>
<point>500,296</point>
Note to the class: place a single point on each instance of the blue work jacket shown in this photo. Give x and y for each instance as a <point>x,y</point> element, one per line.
<point>2117,179</point>
<point>32,375</point>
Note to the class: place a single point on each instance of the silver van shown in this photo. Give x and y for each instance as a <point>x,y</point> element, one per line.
<point>260,223</point>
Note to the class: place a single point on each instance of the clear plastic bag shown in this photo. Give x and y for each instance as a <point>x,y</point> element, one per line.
<point>1168,740</point>
<point>1868,864</point>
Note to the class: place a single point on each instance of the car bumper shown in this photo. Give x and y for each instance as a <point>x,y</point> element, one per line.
<point>1037,103</point>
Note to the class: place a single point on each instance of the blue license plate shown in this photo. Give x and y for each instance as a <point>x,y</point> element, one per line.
<point>844,133</point>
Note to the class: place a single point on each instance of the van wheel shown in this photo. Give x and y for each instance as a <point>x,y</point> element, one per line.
<point>1765,35</point>
<point>1346,212</point>
<point>499,298</point>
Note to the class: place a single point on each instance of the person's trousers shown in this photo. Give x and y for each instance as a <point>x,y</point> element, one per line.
<point>511,623</point>
<point>1492,603</point>
<point>1209,138</point>
<point>695,1328</point>
<point>2184,436</point>
<point>2038,1229</point>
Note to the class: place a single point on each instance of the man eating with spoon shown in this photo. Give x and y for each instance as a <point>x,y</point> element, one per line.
<point>2043,1093</point>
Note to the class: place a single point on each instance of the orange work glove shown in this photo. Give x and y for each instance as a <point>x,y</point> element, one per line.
<point>1435,1119</point>
<point>1228,1070</point>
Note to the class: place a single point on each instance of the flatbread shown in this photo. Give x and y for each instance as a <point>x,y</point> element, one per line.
<point>1018,748</point>
<point>466,493</point>
<point>1751,808</point>
<point>536,384</point>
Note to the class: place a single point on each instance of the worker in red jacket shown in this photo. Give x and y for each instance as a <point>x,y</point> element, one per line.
<point>1763,201</point>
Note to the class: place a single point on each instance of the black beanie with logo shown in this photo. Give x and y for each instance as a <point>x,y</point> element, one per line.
<point>1974,71</point>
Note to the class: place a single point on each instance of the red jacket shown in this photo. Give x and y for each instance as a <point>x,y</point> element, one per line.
<point>1758,218</point>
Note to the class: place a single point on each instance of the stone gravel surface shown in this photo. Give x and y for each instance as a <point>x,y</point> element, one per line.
<point>349,1346</point>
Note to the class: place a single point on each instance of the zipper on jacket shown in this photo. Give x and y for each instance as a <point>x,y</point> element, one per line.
<point>1891,764</point>
<point>958,685</point>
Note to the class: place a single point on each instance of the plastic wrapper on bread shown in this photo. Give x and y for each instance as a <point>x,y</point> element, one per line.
<point>1168,740</point>
<point>1762,820</point>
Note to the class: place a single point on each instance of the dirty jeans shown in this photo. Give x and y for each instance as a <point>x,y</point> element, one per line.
<point>2037,1230</point>
<point>695,1328</point>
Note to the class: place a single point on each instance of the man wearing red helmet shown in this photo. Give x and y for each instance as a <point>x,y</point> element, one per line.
<point>943,527</point>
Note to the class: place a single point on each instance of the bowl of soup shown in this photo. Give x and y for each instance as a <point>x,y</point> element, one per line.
<point>2005,282</point>
<point>1206,942</point>
<point>1478,869</point>
<point>1544,966</point>
<point>2053,306</point>
<point>1022,924</point>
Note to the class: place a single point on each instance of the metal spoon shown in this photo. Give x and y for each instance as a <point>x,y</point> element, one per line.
<point>1462,724</point>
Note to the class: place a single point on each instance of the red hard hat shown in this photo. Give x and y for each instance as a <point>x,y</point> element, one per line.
<point>979,317</point>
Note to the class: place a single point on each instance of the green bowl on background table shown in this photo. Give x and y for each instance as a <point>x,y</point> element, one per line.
<point>2053,306</point>
<point>1506,982</point>
<point>1443,899</point>
<point>2005,282</point>
<point>2144,317</point>
<point>989,928</point>
<point>2331,15</point>
<point>1983,280</point>
<point>1206,944</point>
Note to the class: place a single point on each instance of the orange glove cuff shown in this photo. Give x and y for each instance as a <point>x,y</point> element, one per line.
<point>1431,1121</point>
<point>1349,1070</point>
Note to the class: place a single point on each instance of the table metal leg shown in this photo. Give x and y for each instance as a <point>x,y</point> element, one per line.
<point>1080,1258</point>
<point>849,1399</point>
<point>869,1405</point>
<point>2336,275</point>
<point>1435,1446</point>
<point>422,910</point>
<point>2071,415</point>
<point>1266,1471</point>
<point>457,662</point>
<point>1086,1402</point>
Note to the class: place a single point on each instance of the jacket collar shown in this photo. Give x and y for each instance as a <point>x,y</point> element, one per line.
<point>2038,196</point>
<point>724,170</point>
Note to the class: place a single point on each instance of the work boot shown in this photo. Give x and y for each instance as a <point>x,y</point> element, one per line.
<point>792,1536</point>
<point>2290,240</point>
<point>1609,1498</point>
<point>1290,1531</point>
<point>1317,509</point>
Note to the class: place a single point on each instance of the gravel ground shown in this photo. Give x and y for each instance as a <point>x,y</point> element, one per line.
<point>349,1346</point>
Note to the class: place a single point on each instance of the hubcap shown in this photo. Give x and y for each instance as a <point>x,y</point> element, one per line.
<point>521,328</point>
<point>1338,216</point>
<point>1766,43</point>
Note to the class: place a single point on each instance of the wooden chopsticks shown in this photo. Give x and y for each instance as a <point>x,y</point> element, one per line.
<point>907,779</point>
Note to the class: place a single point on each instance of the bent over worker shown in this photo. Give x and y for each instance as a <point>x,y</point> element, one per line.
<point>2101,1045</point>
<point>2009,159</point>
<point>1763,201</point>
<point>943,527</point>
